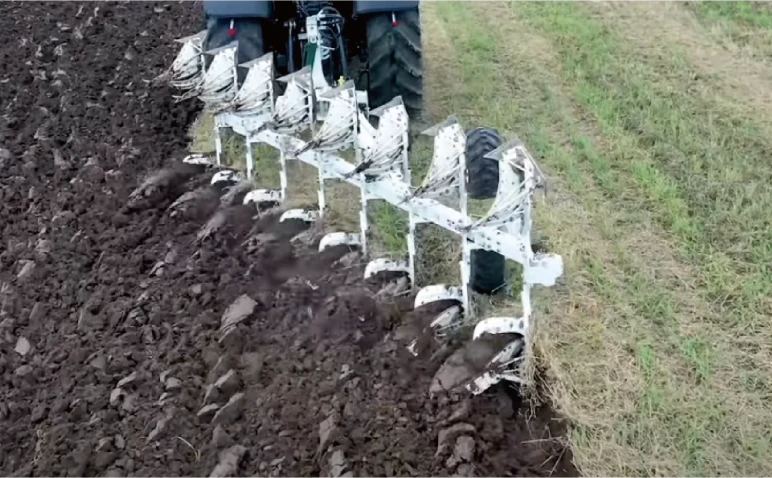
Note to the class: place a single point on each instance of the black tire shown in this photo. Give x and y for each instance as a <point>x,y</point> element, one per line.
<point>487,273</point>
<point>487,270</point>
<point>394,61</point>
<point>249,33</point>
<point>483,174</point>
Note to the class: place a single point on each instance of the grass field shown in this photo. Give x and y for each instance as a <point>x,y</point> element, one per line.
<point>653,122</point>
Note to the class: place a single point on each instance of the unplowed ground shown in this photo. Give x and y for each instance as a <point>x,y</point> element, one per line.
<point>658,332</point>
<point>139,339</point>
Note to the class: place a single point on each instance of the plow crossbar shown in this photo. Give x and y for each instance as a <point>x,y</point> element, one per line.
<point>395,191</point>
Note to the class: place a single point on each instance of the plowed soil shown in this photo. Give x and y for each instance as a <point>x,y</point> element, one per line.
<point>141,339</point>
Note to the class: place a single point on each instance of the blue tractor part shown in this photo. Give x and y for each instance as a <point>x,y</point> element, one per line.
<point>375,43</point>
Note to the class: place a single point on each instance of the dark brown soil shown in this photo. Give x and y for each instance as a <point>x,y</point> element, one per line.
<point>112,309</point>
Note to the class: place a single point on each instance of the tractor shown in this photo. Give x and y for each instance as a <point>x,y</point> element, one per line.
<point>377,44</point>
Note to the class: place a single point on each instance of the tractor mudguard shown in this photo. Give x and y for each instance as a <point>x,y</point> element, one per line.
<point>240,9</point>
<point>363,7</point>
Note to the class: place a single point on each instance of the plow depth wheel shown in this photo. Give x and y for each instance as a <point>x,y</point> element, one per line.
<point>394,60</point>
<point>487,271</point>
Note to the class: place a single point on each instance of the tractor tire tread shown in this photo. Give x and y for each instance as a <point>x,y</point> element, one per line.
<point>395,60</point>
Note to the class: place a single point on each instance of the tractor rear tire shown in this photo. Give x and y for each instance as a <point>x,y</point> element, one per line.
<point>394,61</point>
<point>249,33</point>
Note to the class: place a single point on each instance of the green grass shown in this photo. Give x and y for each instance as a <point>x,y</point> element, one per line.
<point>747,25</point>
<point>265,158</point>
<point>701,168</point>
<point>636,144</point>
<point>742,14</point>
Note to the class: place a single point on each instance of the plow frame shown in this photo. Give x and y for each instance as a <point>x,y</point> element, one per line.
<point>333,121</point>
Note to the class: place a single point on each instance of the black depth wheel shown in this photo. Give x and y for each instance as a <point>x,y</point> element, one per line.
<point>487,270</point>
<point>483,173</point>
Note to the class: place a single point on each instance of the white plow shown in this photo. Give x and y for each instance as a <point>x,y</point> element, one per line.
<point>219,84</point>
<point>198,159</point>
<point>335,121</point>
<point>436,293</point>
<point>187,70</point>
<point>256,93</point>
<point>226,176</point>
<point>339,239</point>
<point>385,265</point>
<point>301,214</point>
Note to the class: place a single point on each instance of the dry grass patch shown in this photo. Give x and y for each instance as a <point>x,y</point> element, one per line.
<point>668,32</point>
<point>742,27</point>
<point>637,347</point>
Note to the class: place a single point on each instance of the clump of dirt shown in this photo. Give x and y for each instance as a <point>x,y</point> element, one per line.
<point>145,334</point>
